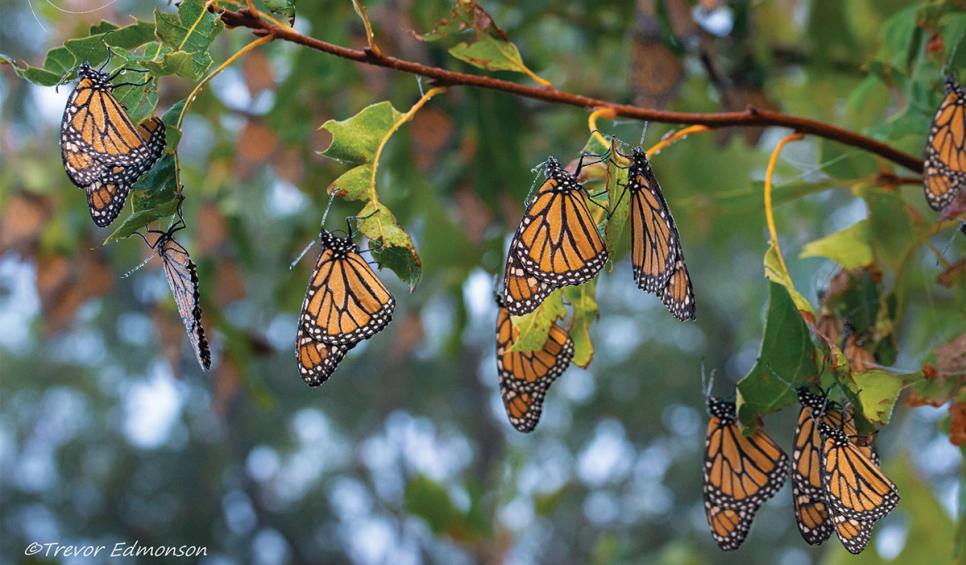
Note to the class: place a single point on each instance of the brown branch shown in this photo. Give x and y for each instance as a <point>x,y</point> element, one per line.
<point>750,117</point>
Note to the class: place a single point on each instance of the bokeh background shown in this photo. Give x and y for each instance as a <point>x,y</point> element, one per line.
<point>110,432</point>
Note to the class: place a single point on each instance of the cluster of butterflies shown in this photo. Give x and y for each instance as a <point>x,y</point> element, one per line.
<point>104,153</point>
<point>945,157</point>
<point>558,244</point>
<point>836,481</point>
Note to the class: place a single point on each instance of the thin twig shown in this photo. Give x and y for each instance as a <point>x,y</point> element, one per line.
<point>750,117</point>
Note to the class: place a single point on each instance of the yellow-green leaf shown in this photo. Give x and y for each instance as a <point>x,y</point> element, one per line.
<point>849,247</point>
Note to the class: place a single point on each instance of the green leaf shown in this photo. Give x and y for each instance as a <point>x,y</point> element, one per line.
<point>391,246</point>
<point>139,101</point>
<point>849,247</point>
<point>179,63</point>
<point>877,391</point>
<point>354,184</point>
<point>356,139</point>
<point>786,361</point>
<point>490,54</point>
<point>191,30</point>
<point>583,298</point>
<point>172,135</point>
<point>535,326</point>
<point>868,103</point>
<point>844,162</point>
<point>491,49</point>
<point>153,197</point>
<point>614,232</point>
<point>58,64</point>
<point>775,274</point>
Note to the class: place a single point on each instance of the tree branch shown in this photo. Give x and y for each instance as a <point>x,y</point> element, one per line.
<point>750,117</point>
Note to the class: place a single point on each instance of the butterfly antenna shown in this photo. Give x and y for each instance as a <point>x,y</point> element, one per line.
<point>329,205</point>
<point>291,266</point>
<point>106,61</point>
<point>138,267</point>
<point>537,171</point>
<point>947,72</point>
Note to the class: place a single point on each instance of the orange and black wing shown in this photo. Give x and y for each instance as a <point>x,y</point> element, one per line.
<point>105,200</point>
<point>945,162</point>
<point>345,302</point>
<point>558,241</point>
<point>858,493</point>
<point>97,136</point>
<point>654,237</point>
<point>526,377</point>
<point>678,294</point>
<point>808,494</point>
<point>182,277</point>
<point>522,292</point>
<point>740,473</point>
<point>316,360</point>
<point>860,358</point>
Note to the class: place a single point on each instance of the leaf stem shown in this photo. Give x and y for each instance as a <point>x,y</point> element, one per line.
<point>370,36</point>
<point>769,215</point>
<point>197,90</point>
<point>373,197</point>
<point>669,139</point>
<point>607,113</point>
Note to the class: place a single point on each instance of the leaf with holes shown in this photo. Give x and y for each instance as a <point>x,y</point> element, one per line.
<point>191,30</point>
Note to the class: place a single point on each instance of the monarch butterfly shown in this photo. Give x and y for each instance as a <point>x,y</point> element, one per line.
<point>103,151</point>
<point>106,196</point>
<point>522,292</point>
<point>526,377</point>
<point>344,304</point>
<point>740,473</point>
<point>182,277</point>
<point>857,492</point>
<point>945,160</point>
<point>808,493</point>
<point>557,241</point>
<point>654,237</point>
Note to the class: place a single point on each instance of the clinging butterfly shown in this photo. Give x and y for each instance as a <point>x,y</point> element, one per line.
<point>808,492</point>
<point>557,241</point>
<point>344,304</point>
<point>857,493</point>
<point>102,150</point>
<point>182,277</point>
<point>740,473</point>
<point>654,237</point>
<point>945,161</point>
<point>526,377</point>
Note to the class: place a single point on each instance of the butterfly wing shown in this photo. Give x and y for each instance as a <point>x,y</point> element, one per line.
<point>678,295</point>
<point>316,360</point>
<point>558,241</point>
<point>654,237</point>
<point>526,377</point>
<point>945,163</point>
<point>105,200</point>
<point>740,473</point>
<point>858,493</point>
<point>345,301</point>
<point>182,277</point>
<point>808,495</point>
<point>522,292</point>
